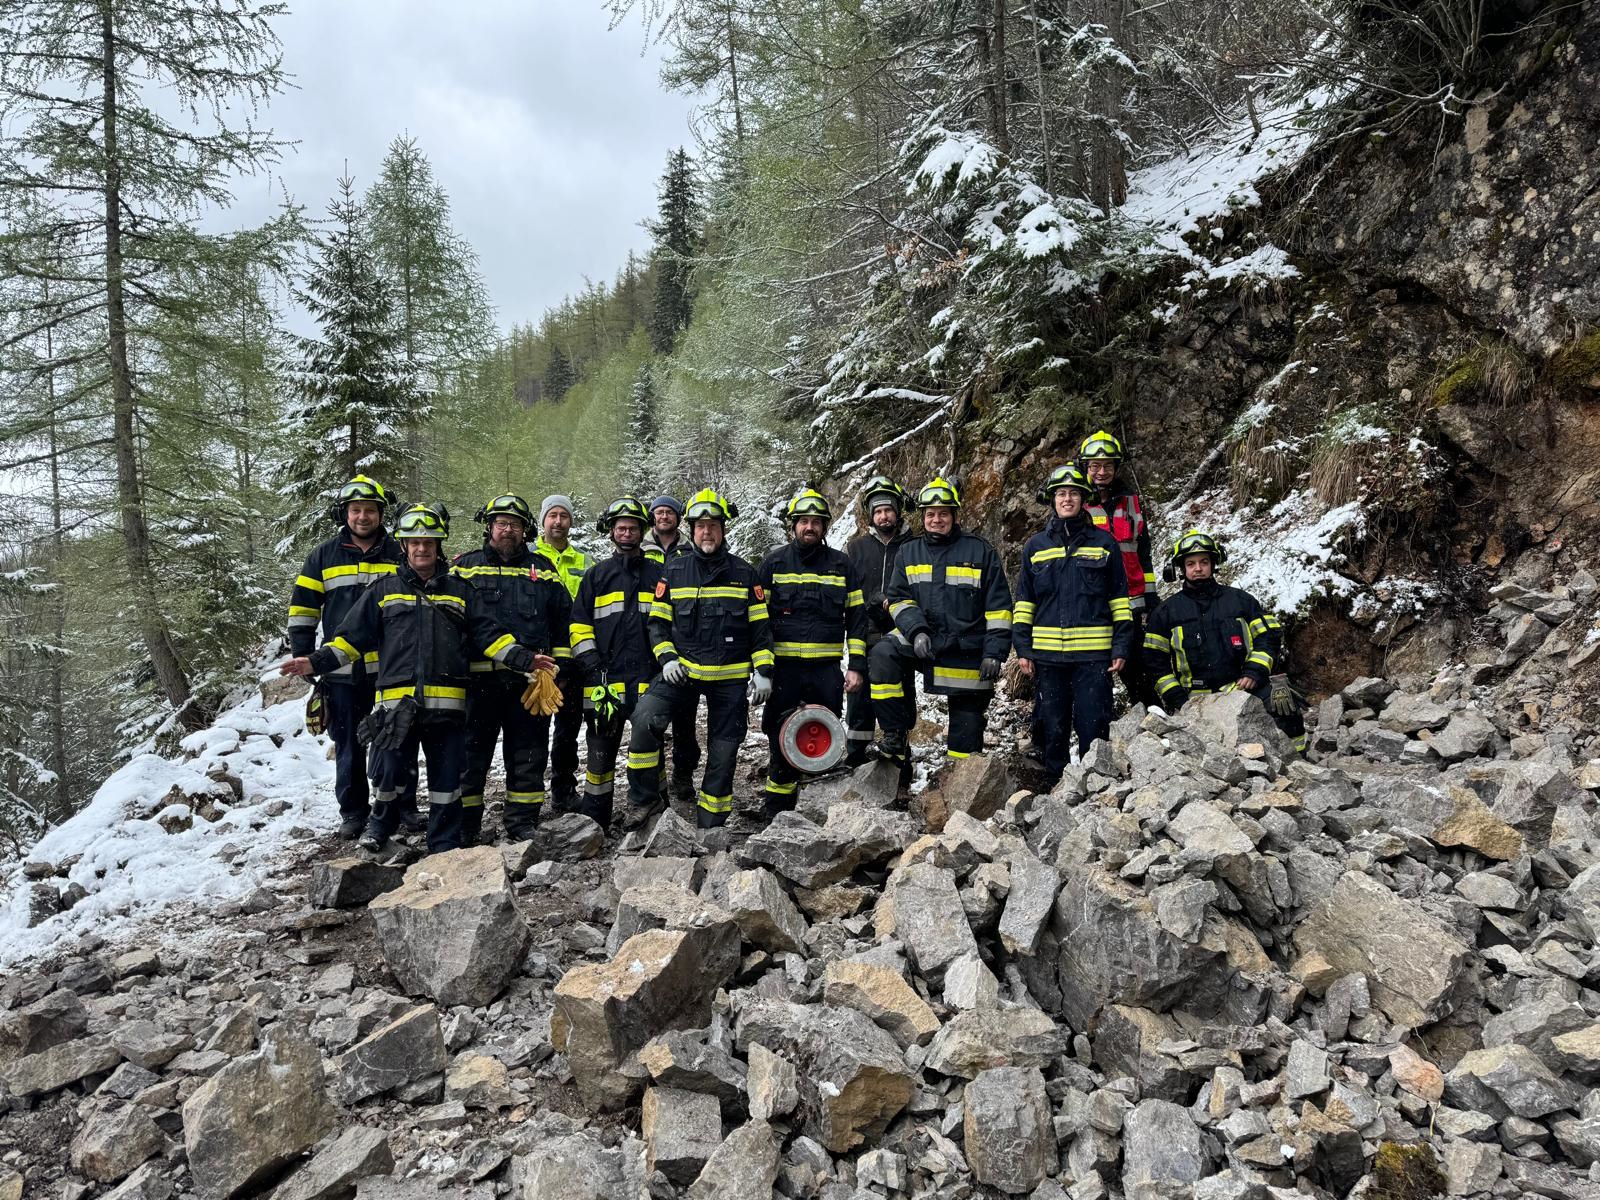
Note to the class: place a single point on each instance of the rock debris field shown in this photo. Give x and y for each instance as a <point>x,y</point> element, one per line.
<point>1200,968</point>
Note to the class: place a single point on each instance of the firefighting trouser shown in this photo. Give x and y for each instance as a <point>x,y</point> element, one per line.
<point>494,709</point>
<point>442,738</point>
<point>795,682</point>
<point>348,704</point>
<point>564,728</point>
<point>1070,698</point>
<point>727,718</point>
<point>862,708</point>
<point>601,744</point>
<point>958,680</point>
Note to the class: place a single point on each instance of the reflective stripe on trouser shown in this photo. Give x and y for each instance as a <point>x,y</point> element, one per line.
<point>1141,688</point>
<point>564,729</point>
<point>795,681</point>
<point>727,718</point>
<point>443,741</point>
<point>1071,698</point>
<point>348,702</point>
<point>968,708</point>
<point>600,774</point>
<point>862,710</point>
<point>494,708</point>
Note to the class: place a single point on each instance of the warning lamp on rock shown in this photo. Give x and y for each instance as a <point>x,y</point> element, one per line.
<point>811,739</point>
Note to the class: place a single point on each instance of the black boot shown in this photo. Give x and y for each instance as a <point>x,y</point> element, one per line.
<point>413,820</point>
<point>351,827</point>
<point>519,822</point>
<point>681,788</point>
<point>637,816</point>
<point>709,820</point>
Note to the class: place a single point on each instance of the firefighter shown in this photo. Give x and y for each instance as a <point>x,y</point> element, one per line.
<point>818,616</point>
<point>873,555</point>
<point>952,613</point>
<point>663,540</point>
<point>522,591</point>
<point>710,633</point>
<point>555,528</point>
<point>331,581</point>
<point>1072,624</point>
<point>1211,638</point>
<point>611,647</point>
<point>1120,512</point>
<point>425,624</point>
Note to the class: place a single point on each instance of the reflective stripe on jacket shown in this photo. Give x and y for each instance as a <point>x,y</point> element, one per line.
<point>953,588</point>
<point>524,595</point>
<point>1205,639</point>
<point>817,610</point>
<point>1123,518</point>
<point>327,588</point>
<point>1072,597</point>
<point>610,619</point>
<point>710,611</point>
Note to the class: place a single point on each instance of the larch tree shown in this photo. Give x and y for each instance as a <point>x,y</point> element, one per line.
<point>676,231</point>
<point>120,183</point>
<point>354,388</point>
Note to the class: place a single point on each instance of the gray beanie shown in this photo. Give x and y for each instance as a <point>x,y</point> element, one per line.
<point>557,501</point>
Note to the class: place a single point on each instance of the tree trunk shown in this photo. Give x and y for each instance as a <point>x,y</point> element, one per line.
<point>164,661</point>
<point>58,601</point>
<point>733,76</point>
<point>1044,111</point>
<point>1000,101</point>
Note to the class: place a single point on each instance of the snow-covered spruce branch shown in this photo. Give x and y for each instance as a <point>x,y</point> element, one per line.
<point>892,443</point>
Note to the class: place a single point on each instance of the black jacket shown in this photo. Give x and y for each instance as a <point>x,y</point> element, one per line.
<point>953,588</point>
<point>1204,638</point>
<point>524,595</point>
<point>710,610</point>
<point>814,598</point>
<point>427,634</point>
<point>1072,596</point>
<point>610,619</point>
<point>874,563</point>
<point>331,581</point>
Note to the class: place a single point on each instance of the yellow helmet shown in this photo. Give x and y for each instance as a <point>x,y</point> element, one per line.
<point>424,521</point>
<point>708,503</point>
<point>939,492</point>
<point>1100,444</point>
<point>809,503</point>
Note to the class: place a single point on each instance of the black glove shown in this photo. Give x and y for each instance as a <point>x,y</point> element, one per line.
<point>922,647</point>
<point>989,670</point>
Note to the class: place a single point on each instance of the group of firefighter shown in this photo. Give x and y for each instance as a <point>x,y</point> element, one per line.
<point>525,643</point>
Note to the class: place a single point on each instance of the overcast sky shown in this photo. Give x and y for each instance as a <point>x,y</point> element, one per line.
<point>547,129</point>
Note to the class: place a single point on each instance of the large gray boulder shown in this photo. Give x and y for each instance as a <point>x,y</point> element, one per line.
<point>452,931</point>
<point>924,911</point>
<point>357,1153</point>
<point>1160,1148</point>
<point>407,1048</point>
<point>256,1114</point>
<point>1006,1127</point>
<point>49,1021</point>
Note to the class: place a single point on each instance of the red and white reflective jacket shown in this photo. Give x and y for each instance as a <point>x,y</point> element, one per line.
<point>1123,518</point>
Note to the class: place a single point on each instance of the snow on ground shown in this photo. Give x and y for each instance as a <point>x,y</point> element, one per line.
<point>134,871</point>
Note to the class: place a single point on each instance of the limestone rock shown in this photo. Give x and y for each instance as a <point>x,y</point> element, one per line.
<point>408,1048</point>
<point>972,1042</point>
<point>568,837</point>
<point>853,1078</point>
<point>681,1130</point>
<point>968,983</point>
<point>49,1021</point>
<point>977,785</point>
<point>1160,1147</point>
<point>1411,960</point>
<point>575,1167</point>
<point>766,916</point>
<point>1034,885</point>
<point>883,996</point>
<point>802,852</point>
<point>1468,734</point>
<point>1007,1132</point>
<point>929,919</point>
<point>1507,1078</point>
<point>686,1060</point>
<point>661,906</point>
<point>351,882</point>
<point>451,931</point>
<point>142,1043</point>
<point>1234,719</point>
<point>607,1011</point>
<point>356,1153</point>
<point>744,1167</point>
<point>1416,1074</point>
<point>479,1081</point>
<point>114,1141</point>
<point>773,1084</point>
<point>637,872</point>
<point>149,1182</point>
<point>256,1114</point>
<point>54,1068</point>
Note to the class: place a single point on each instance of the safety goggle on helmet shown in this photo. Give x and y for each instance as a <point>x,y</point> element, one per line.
<point>423,521</point>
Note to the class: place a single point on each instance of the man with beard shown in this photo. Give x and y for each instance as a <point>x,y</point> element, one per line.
<point>818,616</point>
<point>710,633</point>
<point>523,592</point>
<point>554,542</point>
<point>663,542</point>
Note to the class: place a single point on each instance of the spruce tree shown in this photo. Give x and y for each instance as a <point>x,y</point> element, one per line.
<point>642,404</point>
<point>676,232</point>
<point>355,389</point>
<point>559,375</point>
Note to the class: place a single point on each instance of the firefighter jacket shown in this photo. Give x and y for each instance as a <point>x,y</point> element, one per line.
<point>1122,516</point>
<point>570,564</point>
<point>610,619</point>
<point>652,547</point>
<point>331,581</point>
<point>1072,597</point>
<point>874,562</point>
<point>710,610</point>
<point>523,595</point>
<point>814,596</point>
<point>952,587</point>
<point>426,634</point>
<point>1205,638</point>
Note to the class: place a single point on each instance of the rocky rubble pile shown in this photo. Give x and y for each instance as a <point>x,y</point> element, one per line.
<point>1201,967</point>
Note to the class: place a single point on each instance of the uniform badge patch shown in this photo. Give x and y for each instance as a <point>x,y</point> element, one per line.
<point>760,595</point>
<point>533,574</point>
<point>661,588</point>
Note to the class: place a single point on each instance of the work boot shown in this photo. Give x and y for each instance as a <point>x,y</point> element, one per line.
<point>859,756</point>
<point>563,794</point>
<point>595,808</point>
<point>637,816</point>
<point>681,788</point>
<point>372,842</point>
<point>351,827</point>
<point>709,820</point>
<point>517,826</point>
<point>413,820</point>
